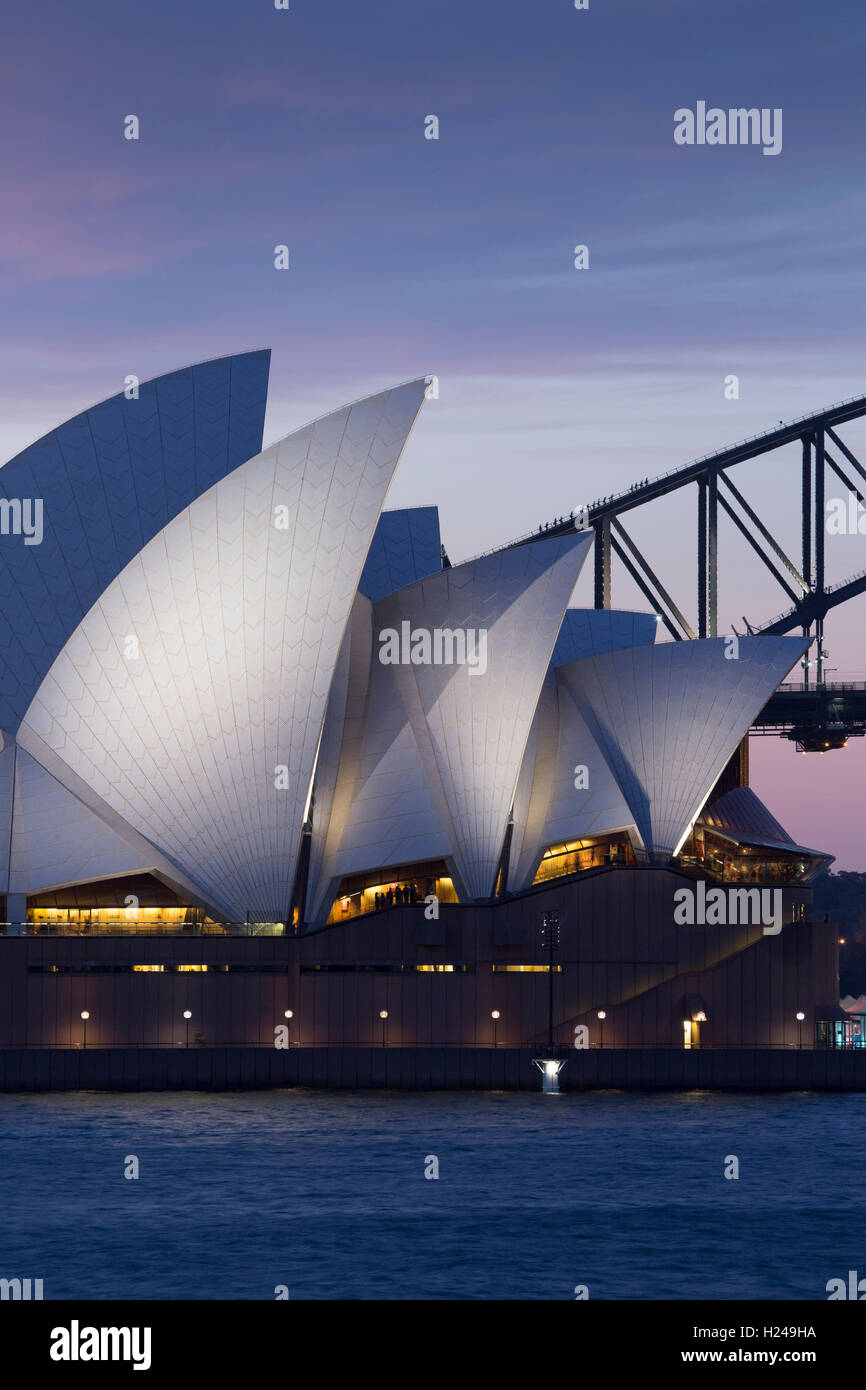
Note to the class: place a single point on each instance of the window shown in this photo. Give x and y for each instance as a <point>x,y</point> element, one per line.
<point>527,969</point>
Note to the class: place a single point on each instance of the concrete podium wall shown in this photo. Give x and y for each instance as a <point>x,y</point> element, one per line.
<point>620,950</point>
<point>423,1069</point>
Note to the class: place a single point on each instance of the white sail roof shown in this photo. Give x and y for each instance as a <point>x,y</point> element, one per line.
<point>192,695</point>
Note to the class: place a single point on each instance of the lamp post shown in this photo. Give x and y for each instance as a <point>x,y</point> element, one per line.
<point>601,1017</point>
<point>288,1015</point>
<point>383,1014</point>
<point>495,1016</point>
<point>551,1064</point>
<point>550,940</point>
<point>187,1016</point>
<point>800,1017</point>
<point>85,1016</point>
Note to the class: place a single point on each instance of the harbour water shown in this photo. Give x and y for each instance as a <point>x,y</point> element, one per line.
<point>325,1193</point>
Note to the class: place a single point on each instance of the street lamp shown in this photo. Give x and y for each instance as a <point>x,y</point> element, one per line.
<point>550,943</point>
<point>551,1064</point>
<point>187,1015</point>
<point>601,1017</point>
<point>288,1015</point>
<point>85,1016</point>
<point>495,1016</point>
<point>383,1014</point>
<point>800,1017</point>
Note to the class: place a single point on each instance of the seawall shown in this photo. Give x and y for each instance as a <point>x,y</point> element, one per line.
<point>424,1069</point>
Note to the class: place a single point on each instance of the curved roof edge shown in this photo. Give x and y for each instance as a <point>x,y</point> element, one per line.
<point>740,815</point>
<point>150,381</point>
<point>596,631</point>
<point>101,486</point>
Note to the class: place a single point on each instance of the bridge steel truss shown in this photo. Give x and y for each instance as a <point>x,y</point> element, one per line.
<point>803,583</point>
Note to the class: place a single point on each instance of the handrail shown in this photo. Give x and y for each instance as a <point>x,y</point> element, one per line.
<point>98,931</point>
<point>828,589</point>
<point>651,483</point>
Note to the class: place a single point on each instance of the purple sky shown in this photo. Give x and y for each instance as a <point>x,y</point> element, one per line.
<point>412,256</point>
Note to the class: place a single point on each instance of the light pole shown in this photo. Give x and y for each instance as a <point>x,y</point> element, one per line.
<point>800,1017</point>
<point>187,1015</point>
<point>288,1015</point>
<point>601,1017</point>
<point>383,1014</point>
<point>551,1064</point>
<point>85,1016</point>
<point>495,1016</point>
<point>550,940</point>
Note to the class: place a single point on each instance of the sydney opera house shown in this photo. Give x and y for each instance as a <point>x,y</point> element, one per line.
<point>269,759</point>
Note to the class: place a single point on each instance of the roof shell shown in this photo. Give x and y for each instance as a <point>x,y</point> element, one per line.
<point>203,733</point>
<point>666,719</point>
<point>109,480</point>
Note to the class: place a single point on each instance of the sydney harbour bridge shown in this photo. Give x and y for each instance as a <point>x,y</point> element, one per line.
<point>815,714</point>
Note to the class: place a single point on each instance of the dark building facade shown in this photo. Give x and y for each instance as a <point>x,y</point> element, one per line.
<point>440,981</point>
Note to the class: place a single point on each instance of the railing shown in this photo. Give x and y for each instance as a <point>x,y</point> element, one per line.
<point>798,686</point>
<point>101,930</point>
<point>828,589</point>
<point>652,483</point>
<point>537,1047</point>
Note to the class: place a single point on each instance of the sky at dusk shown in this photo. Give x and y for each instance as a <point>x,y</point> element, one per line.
<point>455,257</point>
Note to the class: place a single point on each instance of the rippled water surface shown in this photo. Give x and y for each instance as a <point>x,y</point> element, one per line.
<point>325,1192</point>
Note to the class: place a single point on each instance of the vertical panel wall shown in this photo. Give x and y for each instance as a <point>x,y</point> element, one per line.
<point>620,950</point>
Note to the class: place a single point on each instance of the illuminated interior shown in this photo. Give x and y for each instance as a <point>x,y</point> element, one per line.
<point>101,917</point>
<point>724,858</point>
<point>115,921</point>
<point>574,856</point>
<point>383,888</point>
<point>381,967</point>
<point>526,969</point>
<point>841,1033</point>
<point>135,904</point>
